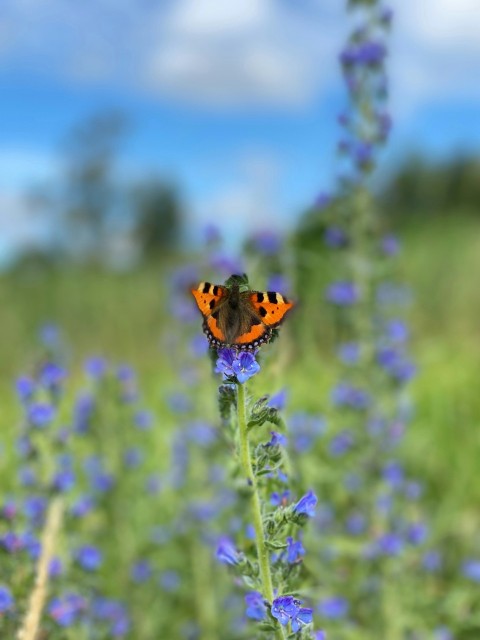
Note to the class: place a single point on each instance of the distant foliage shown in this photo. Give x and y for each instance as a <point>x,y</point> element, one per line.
<point>420,188</point>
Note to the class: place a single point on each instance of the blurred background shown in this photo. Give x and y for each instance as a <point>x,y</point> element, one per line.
<point>127,128</point>
<point>134,133</point>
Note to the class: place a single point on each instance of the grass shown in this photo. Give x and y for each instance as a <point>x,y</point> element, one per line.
<point>124,316</point>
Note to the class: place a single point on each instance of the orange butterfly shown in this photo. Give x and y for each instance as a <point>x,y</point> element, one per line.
<point>235,316</point>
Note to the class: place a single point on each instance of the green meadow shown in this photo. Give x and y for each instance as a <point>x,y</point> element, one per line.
<point>125,317</point>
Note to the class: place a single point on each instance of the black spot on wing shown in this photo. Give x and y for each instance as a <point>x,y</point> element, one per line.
<point>260,297</point>
<point>262,311</point>
<point>206,287</point>
<point>212,304</point>
<point>215,290</point>
<point>272,297</point>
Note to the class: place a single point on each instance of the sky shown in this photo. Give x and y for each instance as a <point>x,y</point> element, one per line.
<point>236,102</point>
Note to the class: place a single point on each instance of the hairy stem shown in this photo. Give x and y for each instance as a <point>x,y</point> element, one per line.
<point>29,629</point>
<point>246,463</point>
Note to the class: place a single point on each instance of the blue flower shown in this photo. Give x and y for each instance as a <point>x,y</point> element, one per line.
<point>52,375</point>
<point>95,367</point>
<point>333,608</point>
<point>241,365</point>
<point>343,294</point>
<point>89,557</point>
<point>349,352</point>
<point>143,419</point>
<point>284,608</point>
<point>294,550</point>
<point>141,571</point>
<point>277,499</point>
<point>303,616</point>
<point>40,414</point>
<point>169,580</point>
<point>471,570</point>
<point>432,560</point>
<point>277,440</point>
<point>307,504</point>
<point>6,599</point>
<point>335,237</point>
<point>66,609</point>
<point>256,609</point>
<point>55,568</point>
<point>63,480</point>
<point>226,552</point>
<point>25,388</point>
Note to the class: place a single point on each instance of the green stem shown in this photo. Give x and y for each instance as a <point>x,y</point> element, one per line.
<point>246,463</point>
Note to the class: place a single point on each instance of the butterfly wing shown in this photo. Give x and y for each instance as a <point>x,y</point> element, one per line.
<point>270,306</point>
<point>267,310</point>
<point>209,298</point>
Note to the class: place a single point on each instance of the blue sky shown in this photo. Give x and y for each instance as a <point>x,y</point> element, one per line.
<point>236,102</point>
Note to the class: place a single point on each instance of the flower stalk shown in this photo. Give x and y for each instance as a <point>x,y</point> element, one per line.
<point>31,623</point>
<point>247,469</point>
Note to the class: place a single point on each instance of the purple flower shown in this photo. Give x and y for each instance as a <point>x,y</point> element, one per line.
<point>241,365</point>
<point>341,443</point>
<point>432,560</point>
<point>89,557</point>
<point>284,608</point>
<point>256,609</point>
<point>82,506</point>
<point>34,508</point>
<point>335,237</point>
<point>95,367</point>
<point>133,457</point>
<point>303,616</point>
<point>417,533</point>
<point>294,550</point>
<point>471,569</point>
<point>390,245</point>
<point>390,544</point>
<point>346,395</point>
<point>305,429</point>
<point>143,419</point>
<point>141,571</point>
<point>267,242</point>
<point>396,330</point>
<point>277,499</point>
<point>63,480</point>
<point>226,552</point>
<point>66,609</point>
<point>25,388</point>
<point>356,523</point>
<point>52,375</point>
<point>40,414</point>
<point>322,201</point>
<point>393,474</point>
<point>307,504</point>
<point>169,580</point>
<point>6,599</point>
<point>277,440</point>
<point>342,294</point>
<point>349,352</point>
<point>333,608</point>
<point>55,568</point>
<point>278,400</point>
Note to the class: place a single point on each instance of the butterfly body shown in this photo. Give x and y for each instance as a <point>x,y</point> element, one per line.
<point>238,317</point>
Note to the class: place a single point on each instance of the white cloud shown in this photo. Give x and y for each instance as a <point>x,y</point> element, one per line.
<point>199,51</point>
<point>435,53</point>
<point>236,53</point>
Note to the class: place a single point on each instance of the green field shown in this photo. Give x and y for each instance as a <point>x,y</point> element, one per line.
<point>125,317</point>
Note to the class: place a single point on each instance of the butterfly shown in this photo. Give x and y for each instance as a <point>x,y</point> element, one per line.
<point>235,316</point>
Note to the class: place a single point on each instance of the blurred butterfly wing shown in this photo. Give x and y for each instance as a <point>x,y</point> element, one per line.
<point>270,306</point>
